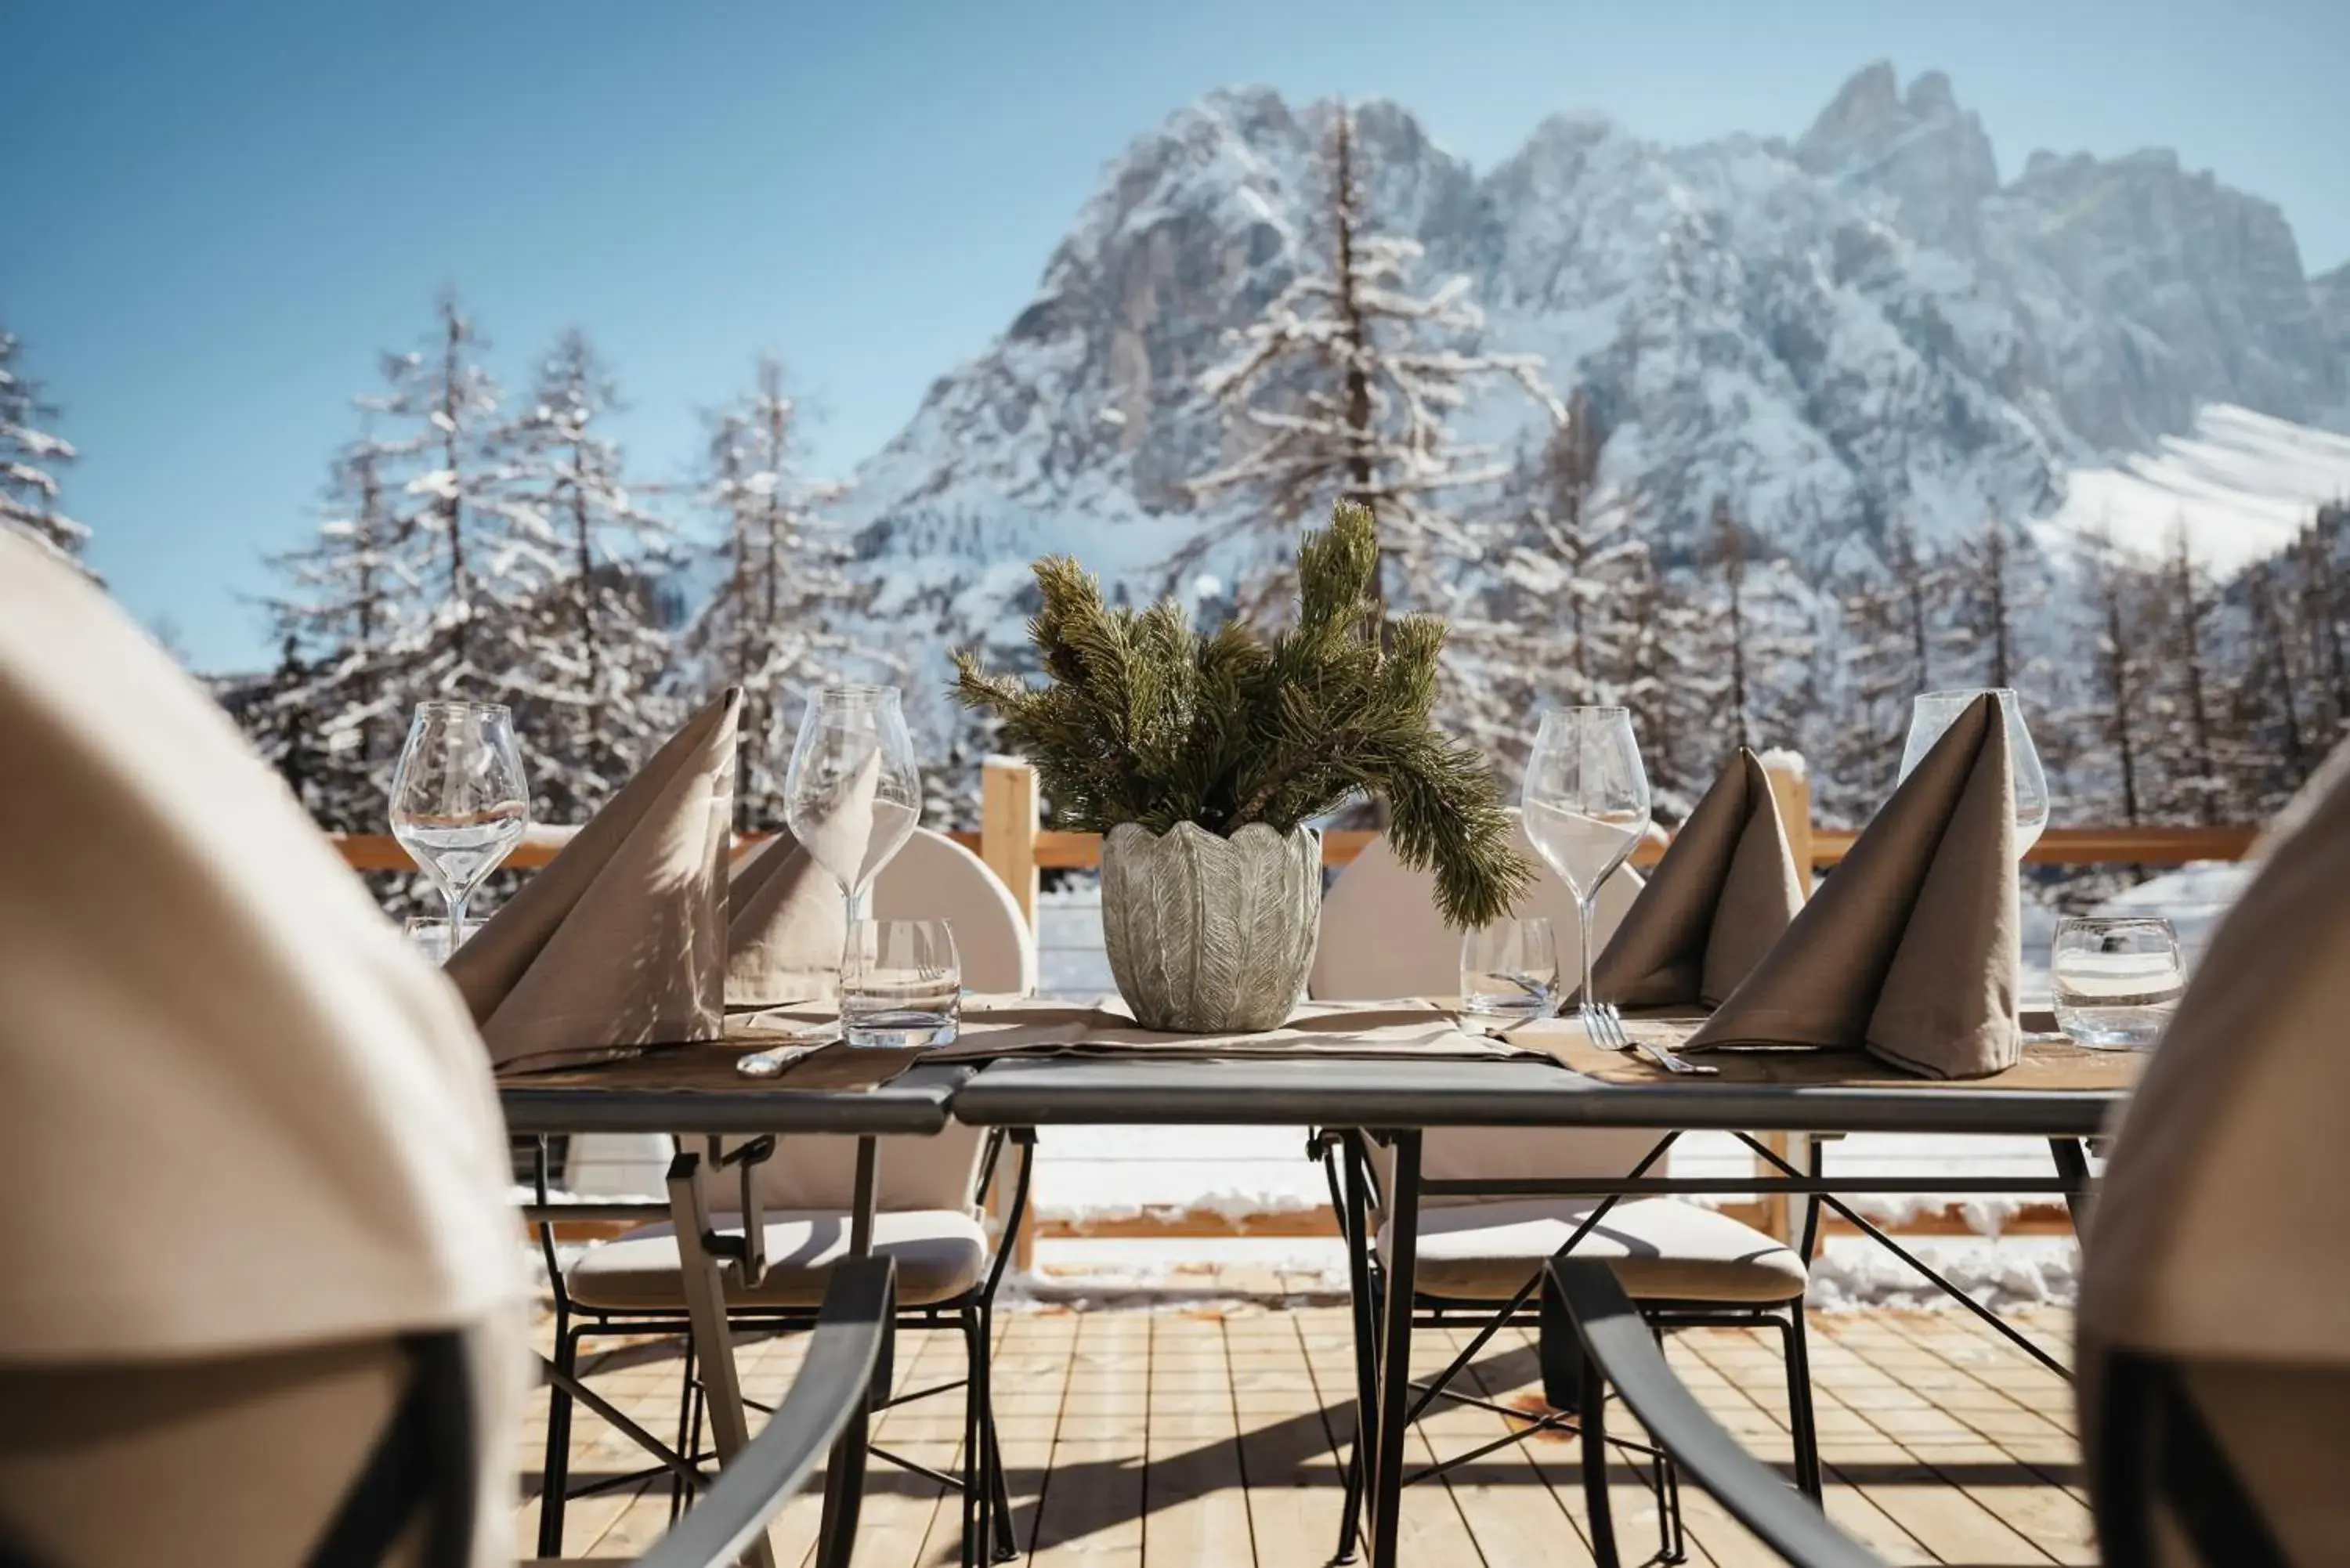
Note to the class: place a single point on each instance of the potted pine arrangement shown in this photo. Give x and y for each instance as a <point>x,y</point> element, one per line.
<point>1203,757</point>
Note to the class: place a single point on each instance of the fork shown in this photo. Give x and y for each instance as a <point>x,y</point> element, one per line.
<point>1614,1035</point>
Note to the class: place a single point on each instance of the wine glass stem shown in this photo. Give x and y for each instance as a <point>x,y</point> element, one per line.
<point>455,899</point>
<point>852,902</point>
<point>1583,910</point>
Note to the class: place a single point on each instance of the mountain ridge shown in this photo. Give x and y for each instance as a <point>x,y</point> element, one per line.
<point>1861,327</point>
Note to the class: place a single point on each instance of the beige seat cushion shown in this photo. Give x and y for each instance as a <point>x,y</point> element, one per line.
<point>1663,1249</point>
<point>940,1253</point>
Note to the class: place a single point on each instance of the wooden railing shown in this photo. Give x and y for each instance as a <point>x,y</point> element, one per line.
<point>1016,847</point>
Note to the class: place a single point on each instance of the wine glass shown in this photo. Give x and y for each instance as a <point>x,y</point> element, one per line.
<point>852,793</point>
<point>1586,805</point>
<point>459,800</point>
<point>1935,711</point>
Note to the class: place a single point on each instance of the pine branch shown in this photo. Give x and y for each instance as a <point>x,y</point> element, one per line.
<point>1145,719</point>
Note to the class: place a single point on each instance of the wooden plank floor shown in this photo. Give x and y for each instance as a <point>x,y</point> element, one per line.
<point>1214,1439</point>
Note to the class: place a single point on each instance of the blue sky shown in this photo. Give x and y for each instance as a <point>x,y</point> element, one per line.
<point>217,215</point>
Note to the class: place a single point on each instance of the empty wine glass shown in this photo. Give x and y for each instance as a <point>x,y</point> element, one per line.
<point>1586,805</point>
<point>460,801</point>
<point>1935,711</point>
<point>852,793</point>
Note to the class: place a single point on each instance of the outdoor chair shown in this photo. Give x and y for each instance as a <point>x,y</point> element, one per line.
<point>265,1303</point>
<point>929,1220</point>
<point>1481,1258</point>
<point>2212,1351</point>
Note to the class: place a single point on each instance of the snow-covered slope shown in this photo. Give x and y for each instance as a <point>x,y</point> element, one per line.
<point>2241,485</point>
<point>1862,326</point>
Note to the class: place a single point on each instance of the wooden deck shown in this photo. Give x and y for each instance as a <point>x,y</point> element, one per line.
<point>1210,1438</point>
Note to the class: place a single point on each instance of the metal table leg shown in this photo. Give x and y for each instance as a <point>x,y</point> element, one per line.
<point>2073,1164</point>
<point>844,1473</point>
<point>1392,1416</point>
<point>713,1343</point>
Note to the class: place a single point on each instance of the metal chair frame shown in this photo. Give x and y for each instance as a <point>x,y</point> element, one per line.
<point>1351,1200</point>
<point>986,1505</point>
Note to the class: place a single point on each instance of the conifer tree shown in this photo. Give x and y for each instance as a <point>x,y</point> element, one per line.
<point>599,643</point>
<point>1345,388</point>
<point>772,625</point>
<point>28,458</point>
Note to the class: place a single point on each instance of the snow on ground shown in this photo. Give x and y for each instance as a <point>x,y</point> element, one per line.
<point>2243,484</point>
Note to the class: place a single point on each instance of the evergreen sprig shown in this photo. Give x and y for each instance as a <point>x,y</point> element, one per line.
<point>1146,720</point>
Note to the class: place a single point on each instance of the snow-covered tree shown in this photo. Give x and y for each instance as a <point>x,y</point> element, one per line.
<point>2188,735</point>
<point>771,625</point>
<point>356,636</point>
<point>2120,675</point>
<point>482,578</point>
<point>600,644</point>
<point>29,456</point>
<point>1546,623</point>
<point>1992,594</point>
<point>1345,388</point>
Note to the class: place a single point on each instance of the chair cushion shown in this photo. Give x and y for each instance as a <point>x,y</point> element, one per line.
<point>1663,1249</point>
<point>940,1253</point>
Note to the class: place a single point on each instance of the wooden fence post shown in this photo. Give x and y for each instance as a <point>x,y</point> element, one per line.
<point>1007,842</point>
<point>1791,791</point>
<point>1007,828</point>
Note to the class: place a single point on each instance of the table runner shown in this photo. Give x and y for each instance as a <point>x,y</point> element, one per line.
<point>707,1066</point>
<point>994,1030</point>
<point>2046,1064</point>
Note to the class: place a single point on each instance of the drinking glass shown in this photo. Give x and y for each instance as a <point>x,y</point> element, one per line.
<point>2118,980</point>
<point>459,800</point>
<point>429,934</point>
<point>900,984</point>
<point>1586,805</point>
<point>852,793</point>
<point>1509,971</point>
<point>1935,711</point>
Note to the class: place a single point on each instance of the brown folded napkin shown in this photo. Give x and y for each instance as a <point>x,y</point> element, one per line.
<point>619,942</point>
<point>1726,891</point>
<point>1909,948</point>
<point>787,924</point>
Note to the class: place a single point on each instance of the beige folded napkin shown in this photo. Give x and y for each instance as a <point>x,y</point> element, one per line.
<point>1909,948</point>
<point>1724,892</point>
<point>620,942</point>
<point>787,924</point>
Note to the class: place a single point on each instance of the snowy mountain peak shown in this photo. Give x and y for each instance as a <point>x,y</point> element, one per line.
<point>1925,151</point>
<point>1863,329</point>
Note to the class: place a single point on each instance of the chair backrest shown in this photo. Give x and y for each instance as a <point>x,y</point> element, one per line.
<point>259,1168</point>
<point>2217,1259</point>
<point>933,878</point>
<point>1382,938</point>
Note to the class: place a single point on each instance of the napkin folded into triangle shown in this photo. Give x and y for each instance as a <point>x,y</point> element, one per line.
<point>1908,950</point>
<point>785,927</point>
<point>1723,894</point>
<point>619,942</point>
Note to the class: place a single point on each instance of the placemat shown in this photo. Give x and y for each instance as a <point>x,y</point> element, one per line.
<point>707,1066</point>
<point>1340,1030</point>
<point>2048,1065</point>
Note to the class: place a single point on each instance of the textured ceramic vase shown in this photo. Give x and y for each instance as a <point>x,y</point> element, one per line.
<point>1209,935</point>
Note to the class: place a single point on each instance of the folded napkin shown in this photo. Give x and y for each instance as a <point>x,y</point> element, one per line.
<point>785,927</point>
<point>1909,948</point>
<point>1725,891</point>
<point>619,942</point>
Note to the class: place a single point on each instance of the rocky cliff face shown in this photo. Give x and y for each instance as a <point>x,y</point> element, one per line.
<point>1864,325</point>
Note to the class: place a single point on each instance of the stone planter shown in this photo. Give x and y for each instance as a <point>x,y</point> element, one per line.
<point>1210,935</point>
